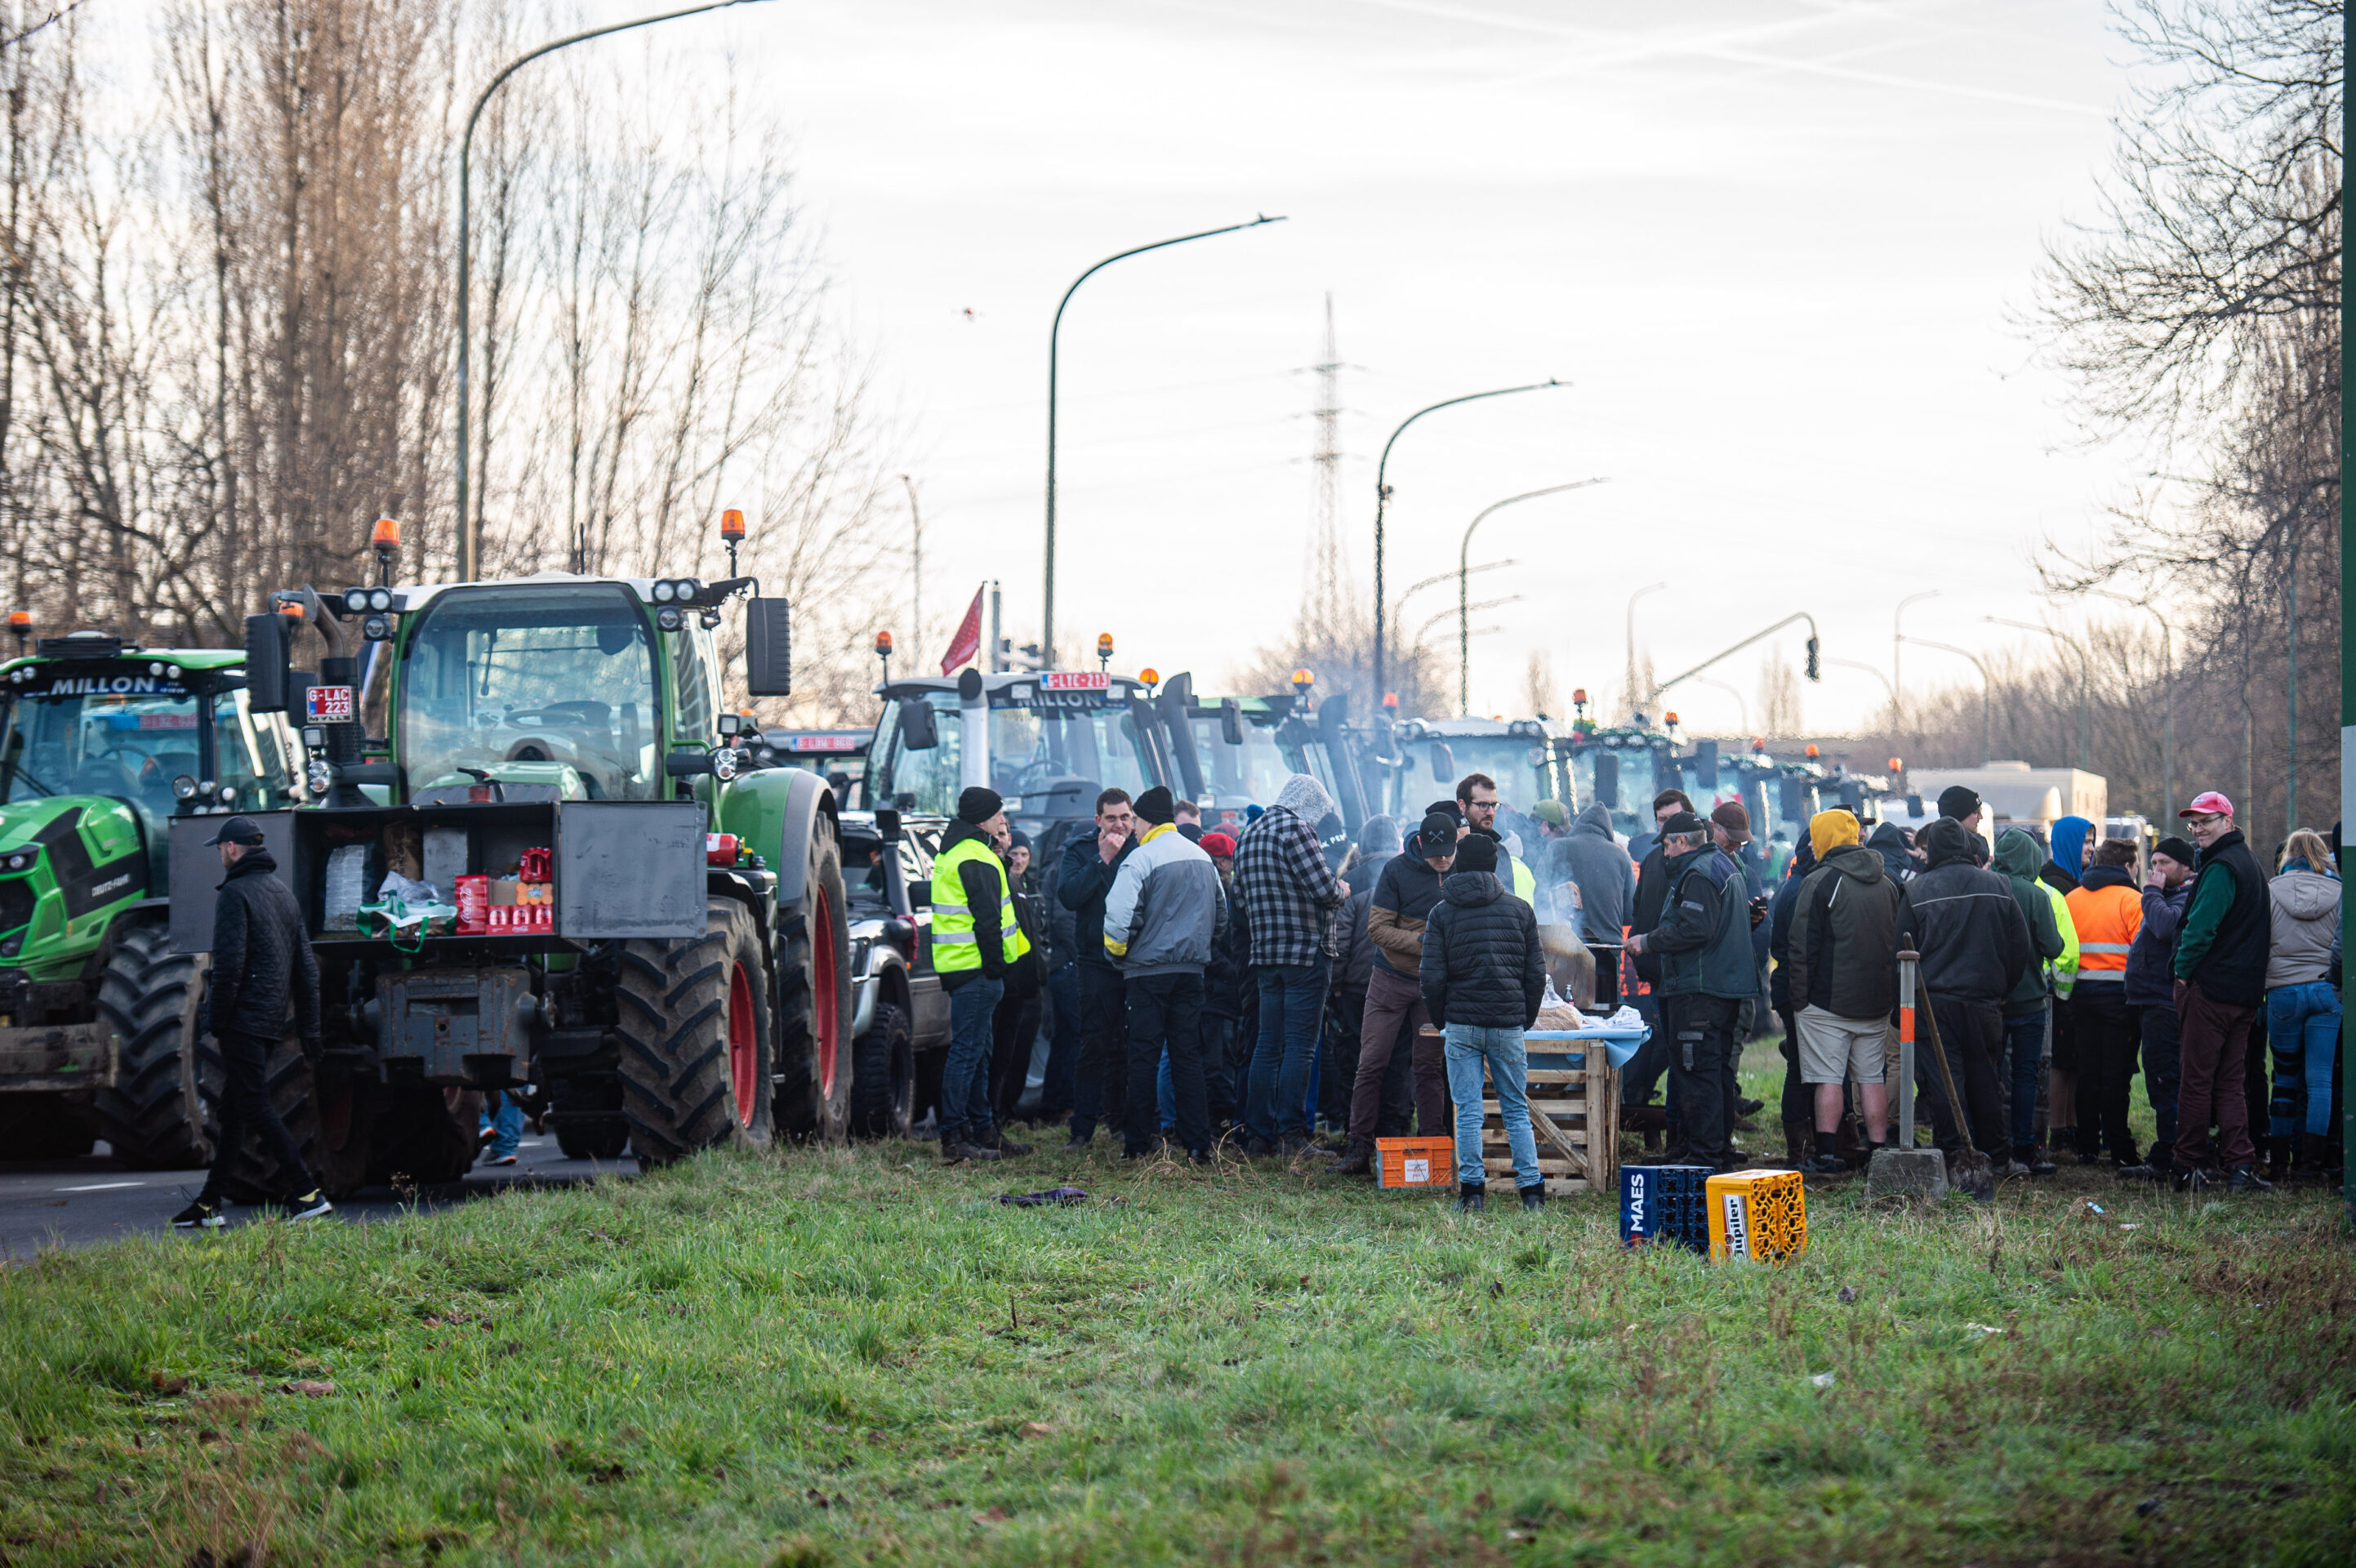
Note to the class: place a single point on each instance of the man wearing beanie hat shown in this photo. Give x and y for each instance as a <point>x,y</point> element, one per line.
<point>1844,985</point>
<point>1162,921</point>
<point>1483,976</point>
<point>976,941</point>
<point>1975,946</point>
<point>1703,946</point>
<point>2151,991</point>
<point>1396,919</point>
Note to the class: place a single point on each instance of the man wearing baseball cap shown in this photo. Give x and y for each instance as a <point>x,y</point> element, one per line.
<point>262,965</point>
<point>2220,980</point>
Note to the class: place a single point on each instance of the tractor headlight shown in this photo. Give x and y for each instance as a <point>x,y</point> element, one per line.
<point>19,861</point>
<point>664,591</point>
<point>377,628</point>
<point>380,599</point>
<point>355,601</point>
<point>668,618</point>
<point>184,787</point>
<point>314,738</point>
<point>317,777</point>
<point>725,764</point>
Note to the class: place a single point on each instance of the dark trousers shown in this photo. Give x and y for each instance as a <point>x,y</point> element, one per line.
<point>2105,1027</point>
<point>2024,1039</point>
<point>1063,1044</point>
<point>1607,978</point>
<point>1394,1016</point>
<point>2213,1060</point>
<point>1701,1037</point>
<point>1643,1073</point>
<point>1222,1071</point>
<point>2063,1057</point>
<point>2163,1043</point>
<point>1972,1034</point>
<point>1100,1086</point>
<point>1015,1034</point>
<point>965,1077</point>
<point>245,1108</point>
<point>1337,1055</point>
<point>1798,1100</point>
<point>1165,1011</point>
<point>1291,1014</point>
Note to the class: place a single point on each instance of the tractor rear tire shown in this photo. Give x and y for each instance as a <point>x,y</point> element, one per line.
<point>574,1104</point>
<point>153,1115</point>
<point>883,1075</point>
<point>424,1135</point>
<point>815,1069</point>
<point>287,1079</point>
<point>693,1020</point>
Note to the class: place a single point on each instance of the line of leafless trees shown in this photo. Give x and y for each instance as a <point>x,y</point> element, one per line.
<point>2199,314</point>
<point>226,324</point>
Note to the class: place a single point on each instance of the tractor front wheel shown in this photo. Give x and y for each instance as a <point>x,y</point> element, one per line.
<point>152,1115</point>
<point>693,1018</point>
<point>815,1066</point>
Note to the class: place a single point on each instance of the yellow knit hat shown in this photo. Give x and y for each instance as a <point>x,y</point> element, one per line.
<point>1827,831</point>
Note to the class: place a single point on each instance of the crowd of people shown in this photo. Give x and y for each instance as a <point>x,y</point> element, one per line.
<point>1210,986</point>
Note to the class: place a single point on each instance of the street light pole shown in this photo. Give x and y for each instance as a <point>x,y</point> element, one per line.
<point>1635,699</point>
<point>468,563</point>
<point>2084,676</point>
<point>1464,571</point>
<point>1897,675</point>
<point>1055,347</point>
<point>1383,497</point>
<point>1855,664</point>
<point>1988,684</point>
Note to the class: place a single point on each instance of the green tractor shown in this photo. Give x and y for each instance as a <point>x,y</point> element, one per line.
<point>104,745</point>
<point>552,872</point>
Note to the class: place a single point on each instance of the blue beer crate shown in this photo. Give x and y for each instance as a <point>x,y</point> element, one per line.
<point>1665,1204</point>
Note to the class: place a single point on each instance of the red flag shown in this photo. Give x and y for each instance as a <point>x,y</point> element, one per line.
<point>966,646</point>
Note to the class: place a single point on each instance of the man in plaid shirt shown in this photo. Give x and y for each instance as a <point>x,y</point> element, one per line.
<point>1289,896</point>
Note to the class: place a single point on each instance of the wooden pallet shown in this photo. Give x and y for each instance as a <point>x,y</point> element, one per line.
<point>1574,1097</point>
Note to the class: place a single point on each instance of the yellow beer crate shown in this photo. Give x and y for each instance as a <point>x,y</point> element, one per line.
<point>1759,1215</point>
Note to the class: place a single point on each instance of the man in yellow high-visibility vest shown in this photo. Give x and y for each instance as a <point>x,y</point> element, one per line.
<point>975,940</point>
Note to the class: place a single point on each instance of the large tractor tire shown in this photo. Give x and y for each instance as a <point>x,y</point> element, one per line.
<point>154,1115</point>
<point>287,1078</point>
<point>424,1135</point>
<point>586,1112</point>
<point>815,1070</point>
<point>693,1017</point>
<point>884,1076</point>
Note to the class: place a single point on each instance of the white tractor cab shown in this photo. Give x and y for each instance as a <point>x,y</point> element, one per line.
<point>1529,759</point>
<point>1232,753</point>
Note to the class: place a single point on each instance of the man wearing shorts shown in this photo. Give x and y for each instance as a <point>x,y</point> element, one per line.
<point>1844,980</point>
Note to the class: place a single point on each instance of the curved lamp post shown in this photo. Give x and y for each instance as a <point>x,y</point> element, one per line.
<point>1636,698</point>
<point>1988,684</point>
<point>1054,344</point>
<point>1464,571</point>
<point>1383,496</point>
<point>467,551</point>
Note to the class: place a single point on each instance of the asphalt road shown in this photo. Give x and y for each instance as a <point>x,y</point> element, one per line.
<point>85,1202</point>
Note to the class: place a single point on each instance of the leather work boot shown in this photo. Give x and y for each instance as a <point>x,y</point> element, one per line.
<point>1358,1160</point>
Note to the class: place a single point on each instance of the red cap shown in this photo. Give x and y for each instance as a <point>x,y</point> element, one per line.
<point>1219,846</point>
<point>2208,803</point>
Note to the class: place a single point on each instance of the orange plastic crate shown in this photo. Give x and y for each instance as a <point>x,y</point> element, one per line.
<point>1415,1162</point>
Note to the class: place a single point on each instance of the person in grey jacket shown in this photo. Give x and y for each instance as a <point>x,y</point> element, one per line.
<point>2302,1004</point>
<point>1164,912</point>
<point>262,967</point>
<point>1607,894</point>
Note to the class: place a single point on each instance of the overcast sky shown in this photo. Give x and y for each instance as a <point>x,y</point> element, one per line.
<point>1778,249</point>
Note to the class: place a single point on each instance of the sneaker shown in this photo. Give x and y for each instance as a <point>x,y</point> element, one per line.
<point>1750,1107</point>
<point>309,1205</point>
<point>1534,1196</point>
<point>2244,1179</point>
<point>1468,1197</point>
<point>1822,1164</point>
<point>1008,1146</point>
<point>2144,1172</point>
<point>955,1151</point>
<point>2039,1166</point>
<point>199,1216</point>
<point>1079,1145</point>
<point>501,1160</point>
<point>2193,1178</point>
<point>1260,1148</point>
<point>2013,1170</point>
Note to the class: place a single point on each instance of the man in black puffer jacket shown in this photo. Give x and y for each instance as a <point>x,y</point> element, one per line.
<point>262,966</point>
<point>1483,978</point>
<point>1975,946</point>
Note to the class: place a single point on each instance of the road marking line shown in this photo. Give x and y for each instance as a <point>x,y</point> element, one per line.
<point>102,1186</point>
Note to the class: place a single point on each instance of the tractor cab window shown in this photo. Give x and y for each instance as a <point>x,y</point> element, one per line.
<point>563,673</point>
<point>693,674</point>
<point>1253,771</point>
<point>251,762</point>
<point>128,745</point>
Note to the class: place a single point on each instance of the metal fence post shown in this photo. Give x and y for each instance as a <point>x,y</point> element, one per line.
<point>1906,961</point>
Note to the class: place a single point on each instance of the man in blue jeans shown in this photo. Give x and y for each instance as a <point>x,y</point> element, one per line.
<point>1289,893</point>
<point>976,940</point>
<point>1483,979</point>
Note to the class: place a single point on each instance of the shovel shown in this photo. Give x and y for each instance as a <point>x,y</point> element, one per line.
<point>1967,1168</point>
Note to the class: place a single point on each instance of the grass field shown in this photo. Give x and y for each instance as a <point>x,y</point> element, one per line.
<point>853,1355</point>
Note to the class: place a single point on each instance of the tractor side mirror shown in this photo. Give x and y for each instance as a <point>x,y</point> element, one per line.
<point>265,663</point>
<point>1704,764</point>
<point>1607,779</point>
<point>1231,721</point>
<point>1792,802</point>
<point>918,730</point>
<point>768,648</point>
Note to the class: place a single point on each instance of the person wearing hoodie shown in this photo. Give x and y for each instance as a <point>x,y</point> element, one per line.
<point>1606,879</point>
<point>2302,1006</point>
<point>1161,920</point>
<point>2107,912</point>
<point>976,945</point>
<point>1482,977</point>
<point>1703,944</point>
<point>1396,922</point>
<point>1973,947</point>
<point>1798,1105</point>
<point>2222,951</point>
<point>1289,894</point>
<point>262,967</point>
<point>2151,992</point>
<point>1888,842</point>
<point>1091,864</point>
<point>1844,980</point>
<point>1652,1058</point>
<point>2065,863</point>
<point>2027,1007</point>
